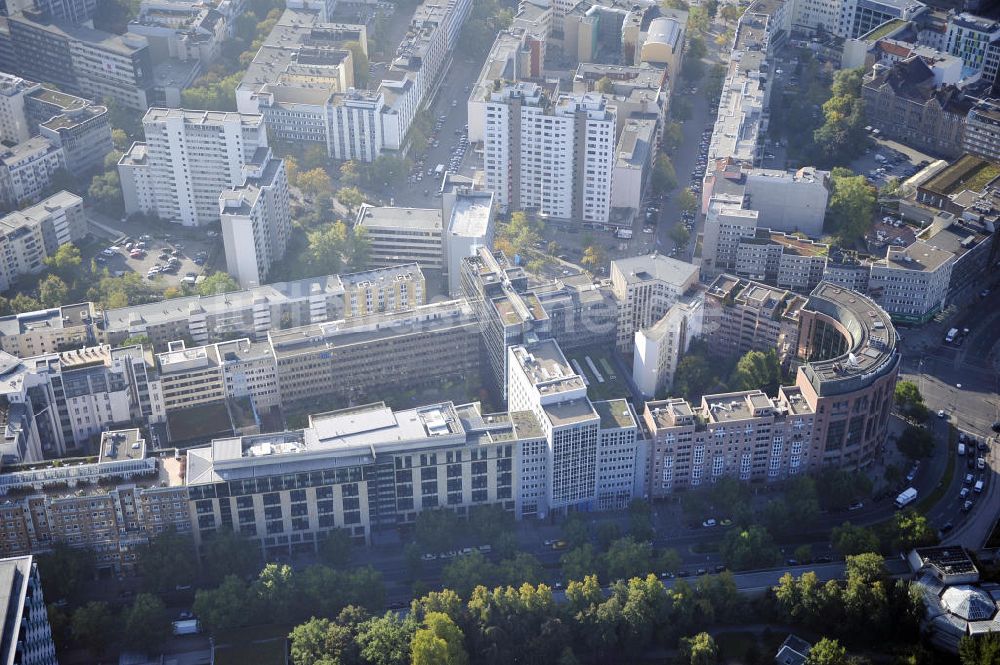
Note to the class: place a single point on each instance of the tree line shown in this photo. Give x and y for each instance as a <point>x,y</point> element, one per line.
<point>532,623</point>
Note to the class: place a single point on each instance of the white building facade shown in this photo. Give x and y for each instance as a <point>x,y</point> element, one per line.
<point>189,158</point>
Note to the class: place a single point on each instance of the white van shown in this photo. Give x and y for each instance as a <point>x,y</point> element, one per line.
<point>961,449</point>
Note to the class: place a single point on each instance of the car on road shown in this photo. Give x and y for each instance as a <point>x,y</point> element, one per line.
<point>857,505</point>
<point>709,523</point>
<point>967,506</point>
<point>946,527</point>
<point>559,545</point>
<point>963,493</point>
<point>995,426</point>
<point>725,522</point>
<point>968,479</point>
<point>980,463</point>
<point>941,414</point>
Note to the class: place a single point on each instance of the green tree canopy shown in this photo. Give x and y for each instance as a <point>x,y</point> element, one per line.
<point>915,442</point>
<point>699,650</point>
<point>751,547</point>
<point>63,569</point>
<point>218,282</point>
<point>439,642</point>
<point>166,561</point>
<point>757,369</point>
<point>849,539</point>
<point>827,652</point>
<point>980,650</point>
<point>146,625</point>
<point>93,627</point>
<point>852,206</point>
<point>687,201</point>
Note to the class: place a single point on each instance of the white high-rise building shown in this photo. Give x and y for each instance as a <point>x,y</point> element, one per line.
<point>589,459</point>
<point>553,157</point>
<point>188,159</point>
<point>14,126</point>
<point>256,220</point>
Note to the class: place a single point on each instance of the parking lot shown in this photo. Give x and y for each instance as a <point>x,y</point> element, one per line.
<point>165,261</point>
<point>886,159</point>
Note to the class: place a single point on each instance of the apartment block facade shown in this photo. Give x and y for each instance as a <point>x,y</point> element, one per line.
<point>29,236</point>
<point>26,170</point>
<point>256,220</point>
<point>588,459</point>
<point>403,235</point>
<point>745,435</point>
<point>645,287</point>
<point>78,59</point>
<point>365,468</point>
<point>552,156</point>
<point>356,360</point>
<point>842,345</point>
<point>113,506</point>
<point>189,158</point>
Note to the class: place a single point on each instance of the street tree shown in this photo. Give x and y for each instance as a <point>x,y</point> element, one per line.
<point>849,539</point>
<point>63,569</point>
<point>699,649</point>
<point>680,235</point>
<point>93,627</point>
<point>915,442</point>
<point>226,552</point>
<point>627,558</point>
<point>146,624</point>
<point>439,642</point>
<point>751,547</point>
<point>579,562</point>
<point>911,529</point>
<point>852,206</point>
<point>385,640</point>
<point>350,173</point>
<point>980,650</point>
<point>593,257</point>
<point>664,178</point>
<point>335,549</point>
<point>166,562</point>
<point>218,282</point>
<point>315,183</point>
<point>350,197</point>
<point>313,642</point>
<point>687,201</point>
<point>827,652</point>
<point>673,136</point>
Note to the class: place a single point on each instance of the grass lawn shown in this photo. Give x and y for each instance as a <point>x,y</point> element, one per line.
<point>935,495</point>
<point>261,645</point>
<point>612,388</point>
<point>733,647</point>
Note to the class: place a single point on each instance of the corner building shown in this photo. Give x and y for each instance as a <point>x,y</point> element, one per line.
<point>843,348</point>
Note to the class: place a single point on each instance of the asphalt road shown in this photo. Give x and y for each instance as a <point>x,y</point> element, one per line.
<point>461,75</point>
